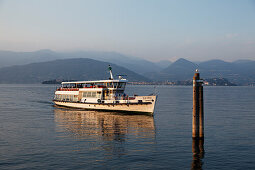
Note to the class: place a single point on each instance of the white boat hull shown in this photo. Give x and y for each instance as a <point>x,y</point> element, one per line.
<point>146,107</point>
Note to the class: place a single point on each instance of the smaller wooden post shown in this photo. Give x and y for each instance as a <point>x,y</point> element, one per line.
<point>201,112</point>
<point>198,108</point>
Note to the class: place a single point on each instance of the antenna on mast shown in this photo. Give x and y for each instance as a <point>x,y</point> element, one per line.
<point>110,69</point>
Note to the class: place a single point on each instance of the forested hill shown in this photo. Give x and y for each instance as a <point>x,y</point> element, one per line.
<point>67,69</point>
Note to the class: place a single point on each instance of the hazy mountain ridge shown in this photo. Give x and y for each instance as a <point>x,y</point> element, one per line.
<point>138,65</point>
<point>163,63</point>
<point>75,69</point>
<point>241,72</point>
<point>10,58</point>
<point>238,72</point>
<point>135,64</point>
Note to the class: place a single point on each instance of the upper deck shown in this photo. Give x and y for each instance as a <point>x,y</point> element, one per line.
<point>109,84</point>
<point>96,82</point>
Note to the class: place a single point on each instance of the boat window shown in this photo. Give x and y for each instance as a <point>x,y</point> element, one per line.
<point>110,85</point>
<point>86,85</point>
<point>66,97</point>
<point>92,94</point>
<point>119,85</point>
<point>89,94</point>
<point>115,85</point>
<point>79,85</point>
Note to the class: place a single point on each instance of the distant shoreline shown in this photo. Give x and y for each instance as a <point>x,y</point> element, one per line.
<point>207,82</point>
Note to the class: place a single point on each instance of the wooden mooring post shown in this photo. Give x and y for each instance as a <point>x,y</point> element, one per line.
<point>198,108</point>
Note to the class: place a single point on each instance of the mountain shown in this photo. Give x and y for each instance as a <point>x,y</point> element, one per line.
<point>241,72</point>
<point>218,68</point>
<point>163,63</point>
<point>181,65</point>
<point>10,58</point>
<point>181,69</point>
<point>242,61</point>
<point>138,65</point>
<point>135,64</point>
<point>69,69</point>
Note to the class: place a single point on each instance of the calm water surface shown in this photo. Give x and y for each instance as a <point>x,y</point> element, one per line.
<point>36,135</point>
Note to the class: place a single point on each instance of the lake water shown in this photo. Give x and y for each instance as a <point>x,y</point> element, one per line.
<point>36,135</point>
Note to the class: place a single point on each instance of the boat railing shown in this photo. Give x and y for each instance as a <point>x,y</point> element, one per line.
<point>68,89</point>
<point>77,89</point>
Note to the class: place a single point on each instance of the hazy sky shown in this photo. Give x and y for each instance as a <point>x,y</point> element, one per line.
<point>151,29</point>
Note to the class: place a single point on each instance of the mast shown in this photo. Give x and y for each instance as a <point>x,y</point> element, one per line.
<point>110,69</point>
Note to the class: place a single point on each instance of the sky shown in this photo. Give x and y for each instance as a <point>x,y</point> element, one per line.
<point>155,30</point>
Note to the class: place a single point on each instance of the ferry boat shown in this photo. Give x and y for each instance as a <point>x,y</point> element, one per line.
<point>106,95</point>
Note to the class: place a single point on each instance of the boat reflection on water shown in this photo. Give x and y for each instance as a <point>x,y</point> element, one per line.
<point>106,126</point>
